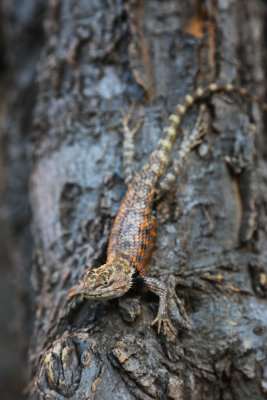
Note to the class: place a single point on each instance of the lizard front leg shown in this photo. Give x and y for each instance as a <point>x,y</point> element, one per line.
<point>75,290</point>
<point>160,289</point>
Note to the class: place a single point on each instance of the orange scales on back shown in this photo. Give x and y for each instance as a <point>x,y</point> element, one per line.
<point>134,231</point>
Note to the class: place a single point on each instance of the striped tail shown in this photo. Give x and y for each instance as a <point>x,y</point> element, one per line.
<point>160,156</point>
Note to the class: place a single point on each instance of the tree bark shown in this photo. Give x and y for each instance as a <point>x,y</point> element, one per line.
<point>99,57</point>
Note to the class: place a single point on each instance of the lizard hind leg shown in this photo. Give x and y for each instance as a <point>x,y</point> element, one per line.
<point>128,144</point>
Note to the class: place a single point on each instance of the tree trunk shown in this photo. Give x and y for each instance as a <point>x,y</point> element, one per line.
<point>99,57</point>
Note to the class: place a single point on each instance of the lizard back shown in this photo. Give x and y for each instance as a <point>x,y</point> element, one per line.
<point>134,229</point>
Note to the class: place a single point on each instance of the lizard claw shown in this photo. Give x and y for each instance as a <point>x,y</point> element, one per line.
<point>125,120</point>
<point>181,316</point>
<point>167,325</point>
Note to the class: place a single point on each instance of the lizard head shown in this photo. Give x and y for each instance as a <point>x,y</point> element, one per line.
<point>110,280</point>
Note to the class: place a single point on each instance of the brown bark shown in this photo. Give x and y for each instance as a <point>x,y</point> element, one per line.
<point>100,56</point>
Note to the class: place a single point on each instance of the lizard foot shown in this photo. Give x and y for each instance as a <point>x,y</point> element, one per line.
<point>168,327</point>
<point>181,317</point>
<point>75,290</point>
<point>125,120</point>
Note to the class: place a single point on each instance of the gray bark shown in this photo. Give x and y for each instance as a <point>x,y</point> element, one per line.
<point>99,56</point>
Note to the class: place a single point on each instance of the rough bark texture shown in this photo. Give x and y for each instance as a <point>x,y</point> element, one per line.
<point>99,56</point>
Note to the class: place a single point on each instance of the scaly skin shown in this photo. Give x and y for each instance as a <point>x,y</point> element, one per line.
<point>133,234</point>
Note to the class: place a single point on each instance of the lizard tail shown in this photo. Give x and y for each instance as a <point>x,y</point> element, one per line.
<point>160,156</point>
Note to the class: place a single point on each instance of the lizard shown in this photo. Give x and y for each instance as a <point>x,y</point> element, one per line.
<point>133,234</point>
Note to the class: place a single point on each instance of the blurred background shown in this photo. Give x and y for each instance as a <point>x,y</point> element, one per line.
<point>21,40</point>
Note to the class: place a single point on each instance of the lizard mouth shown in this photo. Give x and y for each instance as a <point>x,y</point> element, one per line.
<point>105,293</point>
